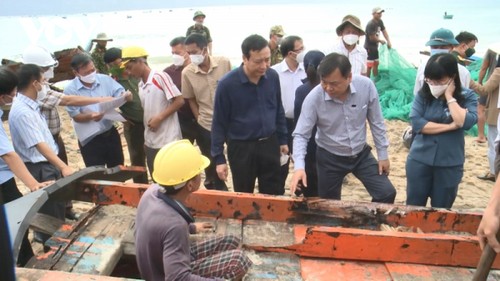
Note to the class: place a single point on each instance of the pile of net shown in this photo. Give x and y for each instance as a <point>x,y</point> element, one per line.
<point>396,81</point>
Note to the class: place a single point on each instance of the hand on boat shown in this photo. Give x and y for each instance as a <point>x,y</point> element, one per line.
<point>298,176</point>
<point>222,171</point>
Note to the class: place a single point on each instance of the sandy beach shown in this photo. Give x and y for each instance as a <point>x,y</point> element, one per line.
<point>473,193</point>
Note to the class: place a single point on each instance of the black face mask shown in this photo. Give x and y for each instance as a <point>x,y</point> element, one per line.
<point>469,52</point>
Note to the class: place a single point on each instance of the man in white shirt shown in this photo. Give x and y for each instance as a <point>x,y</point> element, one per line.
<point>350,30</point>
<point>441,41</point>
<point>291,72</point>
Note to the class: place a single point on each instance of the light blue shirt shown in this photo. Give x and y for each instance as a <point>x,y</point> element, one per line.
<point>29,128</point>
<point>104,86</point>
<point>5,147</point>
<point>341,124</point>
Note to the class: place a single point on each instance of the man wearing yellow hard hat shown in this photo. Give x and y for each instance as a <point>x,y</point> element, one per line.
<point>163,224</point>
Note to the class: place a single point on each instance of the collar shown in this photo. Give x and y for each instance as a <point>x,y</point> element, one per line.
<point>79,84</point>
<point>150,79</point>
<point>29,102</point>
<point>327,97</point>
<point>342,46</point>
<point>212,64</point>
<point>244,77</point>
<point>283,67</point>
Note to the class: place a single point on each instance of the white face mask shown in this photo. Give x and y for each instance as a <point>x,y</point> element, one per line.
<point>178,60</point>
<point>350,39</point>
<point>438,90</point>
<point>197,59</point>
<point>300,56</point>
<point>49,74</point>
<point>439,51</point>
<point>279,40</point>
<point>90,79</point>
<point>40,95</point>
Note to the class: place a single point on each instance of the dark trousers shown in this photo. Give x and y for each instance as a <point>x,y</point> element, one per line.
<point>134,135</point>
<point>212,180</point>
<point>44,171</point>
<point>103,150</point>
<point>189,127</point>
<point>290,126</point>
<point>10,192</point>
<point>256,159</point>
<point>333,168</point>
<point>62,149</point>
<point>150,158</point>
<point>312,176</point>
<point>438,183</point>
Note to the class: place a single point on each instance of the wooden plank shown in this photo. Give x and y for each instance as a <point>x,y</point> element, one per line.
<point>28,274</point>
<point>434,249</point>
<point>273,266</point>
<point>264,233</point>
<point>45,223</point>
<point>417,272</point>
<point>329,269</point>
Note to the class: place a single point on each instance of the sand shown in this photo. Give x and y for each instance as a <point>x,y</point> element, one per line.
<point>473,193</point>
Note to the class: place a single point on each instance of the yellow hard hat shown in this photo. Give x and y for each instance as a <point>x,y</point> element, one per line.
<point>178,162</point>
<point>132,52</point>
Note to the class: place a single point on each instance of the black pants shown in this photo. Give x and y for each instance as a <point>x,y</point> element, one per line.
<point>10,192</point>
<point>44,171</point>
<point>290,126</point>
<point>333,168</point>
<point>134,136</point>
<point>103,150</point>
<point>62,149</point>
<point>256,159</point>
<point>212,180</point>
<point>189,127</point>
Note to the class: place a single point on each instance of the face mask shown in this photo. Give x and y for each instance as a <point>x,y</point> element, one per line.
<point>350,39</point>
<point>40,95</point>
<point>469,52</point>
<point>178,60</point>
<point>197,59</point>
<point>300,56</point>
<point>439,51</point>
<point>90,79</point>
<point>49,74</point>
<point>280,39</point>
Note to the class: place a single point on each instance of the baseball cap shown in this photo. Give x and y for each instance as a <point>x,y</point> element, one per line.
<point>377,10</point>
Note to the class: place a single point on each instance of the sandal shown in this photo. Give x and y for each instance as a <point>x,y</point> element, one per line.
<point>487,177</point>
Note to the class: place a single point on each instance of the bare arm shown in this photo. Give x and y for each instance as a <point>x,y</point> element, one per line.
<point>490,222</point>
<point>16,165</point>
<point>155,121</point>
<point>386,36</point>
<point>210,48</point>
<point>194,108</point>
<point>457,113</point>
<point>51,156</point>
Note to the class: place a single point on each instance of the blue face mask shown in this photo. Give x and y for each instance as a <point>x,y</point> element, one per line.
<point>439,51</point>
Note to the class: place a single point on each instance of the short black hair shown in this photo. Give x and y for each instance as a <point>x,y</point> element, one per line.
<point>439,66</point>
<point>27,73</point>
<point>112,54</point>
<point>253,42</point>
<point>288,44</point>
<point>465,37</point>
<point>8,81</point>
<point>80,60</point>
<point>198,39</point>
<point>332,62</point>
<point>177,40</point>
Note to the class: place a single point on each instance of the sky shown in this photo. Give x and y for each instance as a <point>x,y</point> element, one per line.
<point>65,7</point>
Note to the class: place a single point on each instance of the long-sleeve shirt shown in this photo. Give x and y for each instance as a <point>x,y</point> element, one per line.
<point>341,125</point>
<point>247,111</point>
<point>444,149</point>
<point>289,81</point>
<point>5,147</point>
<point>162,241</point>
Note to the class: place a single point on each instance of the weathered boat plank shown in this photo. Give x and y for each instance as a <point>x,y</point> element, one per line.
<point>328,269</point>
<point>417,272</point>
<point>28,274</point>
<point>273,266</point>
<point>264,233</point>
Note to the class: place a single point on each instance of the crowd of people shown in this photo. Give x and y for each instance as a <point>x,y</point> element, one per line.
<point>283,104</point>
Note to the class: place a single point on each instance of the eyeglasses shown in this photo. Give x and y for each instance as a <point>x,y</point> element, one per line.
<point>299,50</point>
<point>437,82</point>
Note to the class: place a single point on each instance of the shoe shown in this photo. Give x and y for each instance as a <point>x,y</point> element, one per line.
<point>487,177</point>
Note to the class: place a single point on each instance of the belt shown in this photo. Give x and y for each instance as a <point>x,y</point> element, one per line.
<point>352,157</point>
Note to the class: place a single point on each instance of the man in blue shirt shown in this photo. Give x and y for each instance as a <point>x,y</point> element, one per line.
<point>32,138</point>
<point>339,108</point>
<point>98,138</point>
<point>249,117</point>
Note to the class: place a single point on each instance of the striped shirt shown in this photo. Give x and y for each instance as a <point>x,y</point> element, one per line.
<point>357,57</point>
<point>49,110</point>
<point>29,128</point>
<point>104,86</point>
<point>289,82</point>
<point>341,125</point>
<point>5,147</point>
<point>156,95</point>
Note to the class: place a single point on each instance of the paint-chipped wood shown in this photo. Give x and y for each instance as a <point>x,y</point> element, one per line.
<point>28,274</point>
<point>327,269</point>
<point>45,223</point>
<point>267,234</point>
<point>273,266</point>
